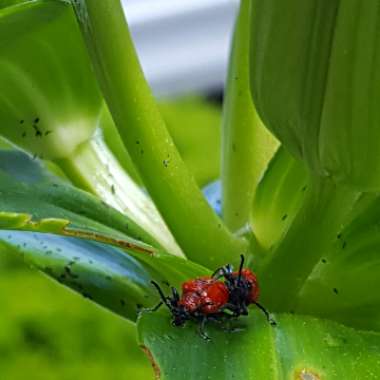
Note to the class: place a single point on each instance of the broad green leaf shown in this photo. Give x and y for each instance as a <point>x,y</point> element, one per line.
<point>314,74</point>
<point>298,347</point>
<point>344,285</point>
<point>49,99</point>
<point>118,279</point>
<point>102,273</point>
<point>51,105</point>
<point>278,198</point>
<point>32,199</point>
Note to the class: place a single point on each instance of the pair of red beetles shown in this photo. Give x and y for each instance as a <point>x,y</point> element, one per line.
<point>209,298</point>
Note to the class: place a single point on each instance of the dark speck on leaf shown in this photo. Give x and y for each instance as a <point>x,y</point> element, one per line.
<point>113,189</point>
<point>70,273</point>
<point>344,245</point>
<point>338,236</point>
<point>22,121</point>
<point>335,290</point>
<point>324,261</point>
<point>166,163</point>
<point>36,120</point>
<point>48,133</point>
<point>122,303</point>
<point>284,216</point>
<point>142,151</point>
<point>38,132</point>
<point>304,188</point>
<point>23,134</point>
<point>137,142</point>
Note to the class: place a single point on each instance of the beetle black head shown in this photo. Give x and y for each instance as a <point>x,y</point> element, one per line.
<point>238,286</point>
<point>179,314</point>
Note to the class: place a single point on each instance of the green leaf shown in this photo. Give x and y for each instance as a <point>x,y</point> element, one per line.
<point>118,279</point>
<point>247,144</point>
<point>49,99</point>
<point>278,197</point>
<point>314,74</point>
<point>298,348</point>
<point>102,273</point>
<point>344,285</point>
<point>32,199</point>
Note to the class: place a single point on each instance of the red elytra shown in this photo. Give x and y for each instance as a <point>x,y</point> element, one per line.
<point>205,295</point>
<point>250,277</point>
<point>210,299</point>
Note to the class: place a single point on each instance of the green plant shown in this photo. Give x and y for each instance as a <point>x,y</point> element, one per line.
<point>305,212</point>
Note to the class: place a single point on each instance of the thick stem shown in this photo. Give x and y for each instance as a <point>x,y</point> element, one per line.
<point>247,145</point>
<point>196,227</point>
<point>314,229</point>
<point>94,168</point>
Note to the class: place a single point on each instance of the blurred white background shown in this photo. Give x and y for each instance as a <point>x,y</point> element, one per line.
<point>182,44</point>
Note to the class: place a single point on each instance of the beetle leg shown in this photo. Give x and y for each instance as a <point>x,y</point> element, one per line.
<point>201,329</point>
<point>269,319</point>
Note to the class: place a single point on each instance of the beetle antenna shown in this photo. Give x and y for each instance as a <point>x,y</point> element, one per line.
<point>240,268</point>
<point>160,292</point>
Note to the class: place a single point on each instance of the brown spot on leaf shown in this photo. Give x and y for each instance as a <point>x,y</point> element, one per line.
<point>307,374</point>
<point>156,368</point>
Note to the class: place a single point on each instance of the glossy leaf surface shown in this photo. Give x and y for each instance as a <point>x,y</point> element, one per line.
<point>315,69</point>
<point>49,102</point>
<point>278,198</point>
<point>33,199</point>
<point>301,348</point>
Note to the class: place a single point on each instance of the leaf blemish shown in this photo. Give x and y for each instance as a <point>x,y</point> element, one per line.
<point>156,368</point>
<point>307,375</point>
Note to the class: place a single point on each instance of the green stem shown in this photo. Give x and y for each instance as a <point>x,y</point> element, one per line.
<point>247,145</point>
<point>93,167</point>
<point>313,230</point>
<point>196,227</point>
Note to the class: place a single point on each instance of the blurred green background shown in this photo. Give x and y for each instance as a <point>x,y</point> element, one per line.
<point>48,332</point>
